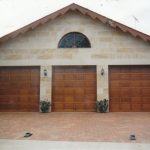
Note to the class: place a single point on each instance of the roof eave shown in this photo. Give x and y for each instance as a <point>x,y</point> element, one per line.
<point>82,10</point>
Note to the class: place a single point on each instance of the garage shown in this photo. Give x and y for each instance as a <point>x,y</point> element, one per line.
<point>129,88</point>
<point>74,88</point>
<point>19,89</point>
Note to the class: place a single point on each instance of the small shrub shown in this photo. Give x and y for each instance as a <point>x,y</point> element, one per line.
<point>102,106</point>
<point>45,105</point>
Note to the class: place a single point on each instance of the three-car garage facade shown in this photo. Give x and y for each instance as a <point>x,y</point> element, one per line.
<point>74,88</point>
<point>72,58</point>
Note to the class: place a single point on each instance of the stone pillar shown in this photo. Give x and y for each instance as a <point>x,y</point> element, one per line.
<point>46,83</point>
<point>102,83</point>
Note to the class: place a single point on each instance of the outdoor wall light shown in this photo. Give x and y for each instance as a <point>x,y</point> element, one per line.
<point>102,71</point>
<point>45,72</point>
<point>132,137</point>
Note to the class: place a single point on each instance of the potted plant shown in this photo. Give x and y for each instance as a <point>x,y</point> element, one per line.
<point>45,105</point>
<point>102,105</point>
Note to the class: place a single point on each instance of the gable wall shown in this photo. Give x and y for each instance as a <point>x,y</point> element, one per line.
<point>108,46</point>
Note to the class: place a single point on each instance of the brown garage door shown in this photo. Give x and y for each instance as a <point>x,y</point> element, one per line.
<point>74,88</point>
<point>129,88</point>
<point>19,89</point>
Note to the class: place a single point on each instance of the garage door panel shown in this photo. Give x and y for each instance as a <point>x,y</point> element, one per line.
<point>58,98</point>
<point>125,69</point>
<point>80,106</point>
<point>135,83</point>
<point>136,76</point>
<point>4,98</point>
<point>125,92</point>
<point>90,76</point>
<point>125,107</point>
<point>115,70</point>
<point>145,70</point>
<point>68,107</point>
<point>4,85</point>
<point>115,76</point>
<point>59,76</point>
<point>125,100</point>
<point>125,76</point>
<point>132,87</point>
<point>146,107</point>
<point>5,106</point>
<point>115,107</point>
<point>24,91</point>
<point>124,84</point>
<point>136,107</point>
<point>145,76</point>
<point>17,90</point>
<point>59,91</point>
<point>146,92</point>
<point>21,78</point>
<point>19,85</point>
<point>16,85</point>
<point>20,108</point>
<point>69,91</point>
<point>3,92</point>
<point>78,87</point>
<point>68,76</point>
<point>79,91</point>
<point>69,83</point>
<point>33,91</point>
<point>69,99</point>
<point>115,84</point>
<point>145,83</point>
<point>23,99</point>
<point>135,92</point>
<point>34,79</point>
<point>90,105</point>
<point>89,83</point>
<point>78,84</point>
<point>135,69</point>
<point>137,100</point>
<point>90,97</point>
<point>34,98</point>
<point>115,92</point>
<point>79,76</point>
<point>146,100</point>
<point>115,100</point>
<point>79,98</point>
<point>59,83</point>
<point>90,90</point>
<point>4,78</point>
<point>58,106</point>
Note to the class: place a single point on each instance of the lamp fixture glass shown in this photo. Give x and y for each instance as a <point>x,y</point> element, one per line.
<point>102,71</point>
<point>45,72</point>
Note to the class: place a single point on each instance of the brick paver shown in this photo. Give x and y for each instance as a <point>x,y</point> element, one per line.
<point>108,127</point>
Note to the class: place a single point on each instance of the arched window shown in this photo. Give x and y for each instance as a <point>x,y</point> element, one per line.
<point>74,40</point>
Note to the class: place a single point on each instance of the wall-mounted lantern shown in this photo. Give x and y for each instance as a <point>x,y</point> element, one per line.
<point>102,71</point>
<point>45,72</point>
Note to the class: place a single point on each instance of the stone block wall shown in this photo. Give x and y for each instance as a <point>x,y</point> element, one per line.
<point>109,46</point>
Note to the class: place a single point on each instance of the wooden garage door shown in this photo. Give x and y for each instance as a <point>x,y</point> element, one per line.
<point>74,88</point>
<point>129,88</point>
<point>19,89</point>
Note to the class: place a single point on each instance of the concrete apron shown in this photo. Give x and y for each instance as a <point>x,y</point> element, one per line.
<point>60,145</point>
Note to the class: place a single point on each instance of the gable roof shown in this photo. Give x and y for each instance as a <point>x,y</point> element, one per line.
<point>82,10</point>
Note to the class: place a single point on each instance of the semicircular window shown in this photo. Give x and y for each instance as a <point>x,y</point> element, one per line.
<point>74,40</point>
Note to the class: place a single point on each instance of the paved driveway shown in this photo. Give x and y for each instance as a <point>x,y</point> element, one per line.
<point>109,127</point>
<point>60,145</point>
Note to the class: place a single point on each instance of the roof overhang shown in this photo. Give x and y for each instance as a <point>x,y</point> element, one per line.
<point>82,10</point>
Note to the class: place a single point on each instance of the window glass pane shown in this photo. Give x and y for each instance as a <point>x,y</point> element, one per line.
<point>73,40</point>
